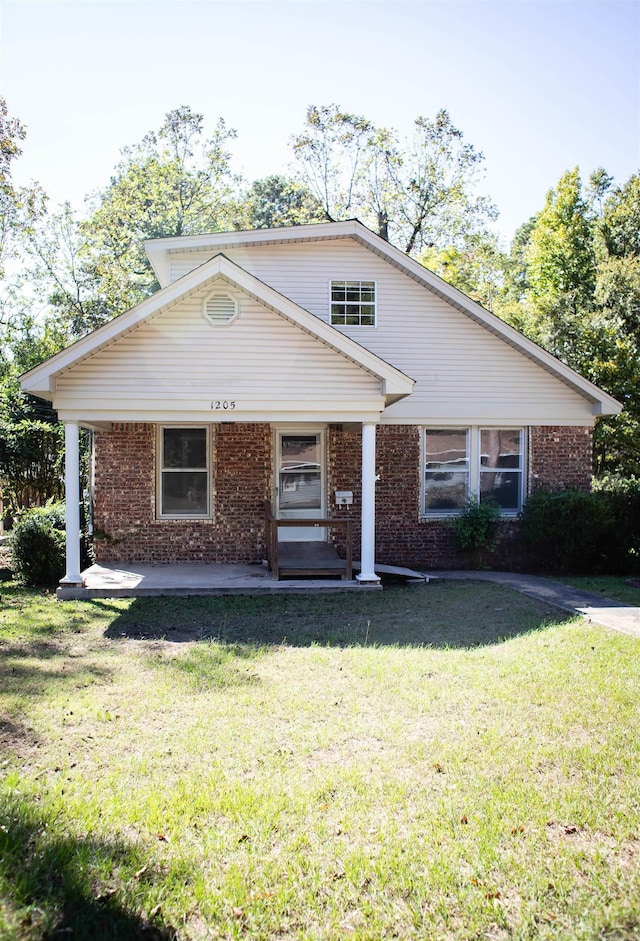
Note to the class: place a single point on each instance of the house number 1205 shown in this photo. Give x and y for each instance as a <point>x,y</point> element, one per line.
<point>225,404</point>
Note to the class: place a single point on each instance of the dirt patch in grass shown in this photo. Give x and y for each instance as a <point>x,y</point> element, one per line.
<point>16,737</point>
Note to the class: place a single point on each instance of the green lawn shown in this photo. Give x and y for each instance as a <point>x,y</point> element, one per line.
<point>621,588</point>
<point>452,761</point>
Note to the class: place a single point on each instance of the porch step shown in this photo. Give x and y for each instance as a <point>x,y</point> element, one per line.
<point>309,559</point>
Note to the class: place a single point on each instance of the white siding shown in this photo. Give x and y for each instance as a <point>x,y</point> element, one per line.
<point>179,361</point>
<point>463,372</point>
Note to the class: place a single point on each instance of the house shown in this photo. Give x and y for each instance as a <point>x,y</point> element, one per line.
<point>320,369</point>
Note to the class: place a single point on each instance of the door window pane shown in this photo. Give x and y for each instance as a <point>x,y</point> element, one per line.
<point>300,480</point>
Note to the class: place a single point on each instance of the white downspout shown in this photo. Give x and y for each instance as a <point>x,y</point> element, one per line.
<point>72,500</point>
<point>368,532</point>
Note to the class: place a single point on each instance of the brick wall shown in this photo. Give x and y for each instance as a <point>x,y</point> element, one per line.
<point>242,476</point>
<point>125,498</point>
<point>560,457</point>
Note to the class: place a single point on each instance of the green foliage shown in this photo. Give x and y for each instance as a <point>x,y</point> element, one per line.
<point>31,453</point>
<point>561,251</point>
<point>573,285</point>
<point>477,268</point>
<point>276,201</point>
<point>175,182</point>
<point>416,194</point>
<point>20,206</point>
<point>622,496</point>
<point>477,528</point>
<point>38,545</point>
<point>572,532</point>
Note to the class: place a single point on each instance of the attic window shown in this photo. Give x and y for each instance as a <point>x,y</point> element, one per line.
<point>220,309</point>
<point>353,303</point>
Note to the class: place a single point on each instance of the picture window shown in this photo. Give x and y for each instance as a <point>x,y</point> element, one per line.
<point>460,462</point>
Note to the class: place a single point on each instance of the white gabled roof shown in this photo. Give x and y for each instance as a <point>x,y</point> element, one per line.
<point>41,380</point>
<point>160,251</point>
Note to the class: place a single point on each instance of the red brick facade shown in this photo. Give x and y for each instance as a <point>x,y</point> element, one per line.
<point>560,458</point>
<point>125,521</point>
<point>127,527</point>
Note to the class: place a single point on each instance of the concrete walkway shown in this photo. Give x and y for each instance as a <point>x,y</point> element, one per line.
<point>596,608</point>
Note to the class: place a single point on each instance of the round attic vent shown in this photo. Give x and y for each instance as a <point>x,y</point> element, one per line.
<point>220,309</point>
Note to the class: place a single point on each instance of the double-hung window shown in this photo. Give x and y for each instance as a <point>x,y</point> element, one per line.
<point>353,303</point>
<point>184,472</point>
<point>502,467</point>
<point>446,483</point>
<point>462,462</point>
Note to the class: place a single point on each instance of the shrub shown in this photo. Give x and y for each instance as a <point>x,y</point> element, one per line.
<point>38,545</point>
<point>476,529</point>
<point>584,533</point>
<point>622,495</point>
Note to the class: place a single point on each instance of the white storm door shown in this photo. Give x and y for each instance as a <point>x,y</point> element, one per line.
<point>300,483</point>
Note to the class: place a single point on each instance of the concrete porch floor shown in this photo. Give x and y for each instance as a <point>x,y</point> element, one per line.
<point>130,580</point>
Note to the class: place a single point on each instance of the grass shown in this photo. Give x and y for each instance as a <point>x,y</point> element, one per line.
<point>620,588</point>
<point>453,761</point>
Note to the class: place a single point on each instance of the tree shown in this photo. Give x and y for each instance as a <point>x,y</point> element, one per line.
<point>276,201</point>
<point>61,276</point>
<point>175,182</point>
<point>477,268</point>
<point>31,438</point>
<point>573,285</point>
<point>20,207</point>
<point>418,195</point>
<point>331,152</point>
<point>561,258</point>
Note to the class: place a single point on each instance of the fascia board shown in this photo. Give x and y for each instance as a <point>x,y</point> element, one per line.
<point>159,250</point>
<point>41,379</point>
<point>286,233</point>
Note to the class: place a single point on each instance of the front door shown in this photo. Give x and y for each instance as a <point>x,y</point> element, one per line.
<point>300,483</point>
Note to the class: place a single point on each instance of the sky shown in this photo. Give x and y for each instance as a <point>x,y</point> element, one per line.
<point>539,86</point>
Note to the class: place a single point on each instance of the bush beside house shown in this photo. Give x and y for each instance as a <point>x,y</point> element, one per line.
<point>573,532</point>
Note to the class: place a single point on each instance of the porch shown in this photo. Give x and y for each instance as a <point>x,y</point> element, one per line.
<point>131,580</point>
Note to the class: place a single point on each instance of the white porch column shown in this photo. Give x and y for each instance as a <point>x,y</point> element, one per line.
<point>72,499</point>
<point>368,536</point>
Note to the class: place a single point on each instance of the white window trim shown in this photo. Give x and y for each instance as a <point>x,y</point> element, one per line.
<point>160,467</point>
<point>474,439</point>
<point>355,326</point>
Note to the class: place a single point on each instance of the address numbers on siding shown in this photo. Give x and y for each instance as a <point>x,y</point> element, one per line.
<point>225,404</point>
